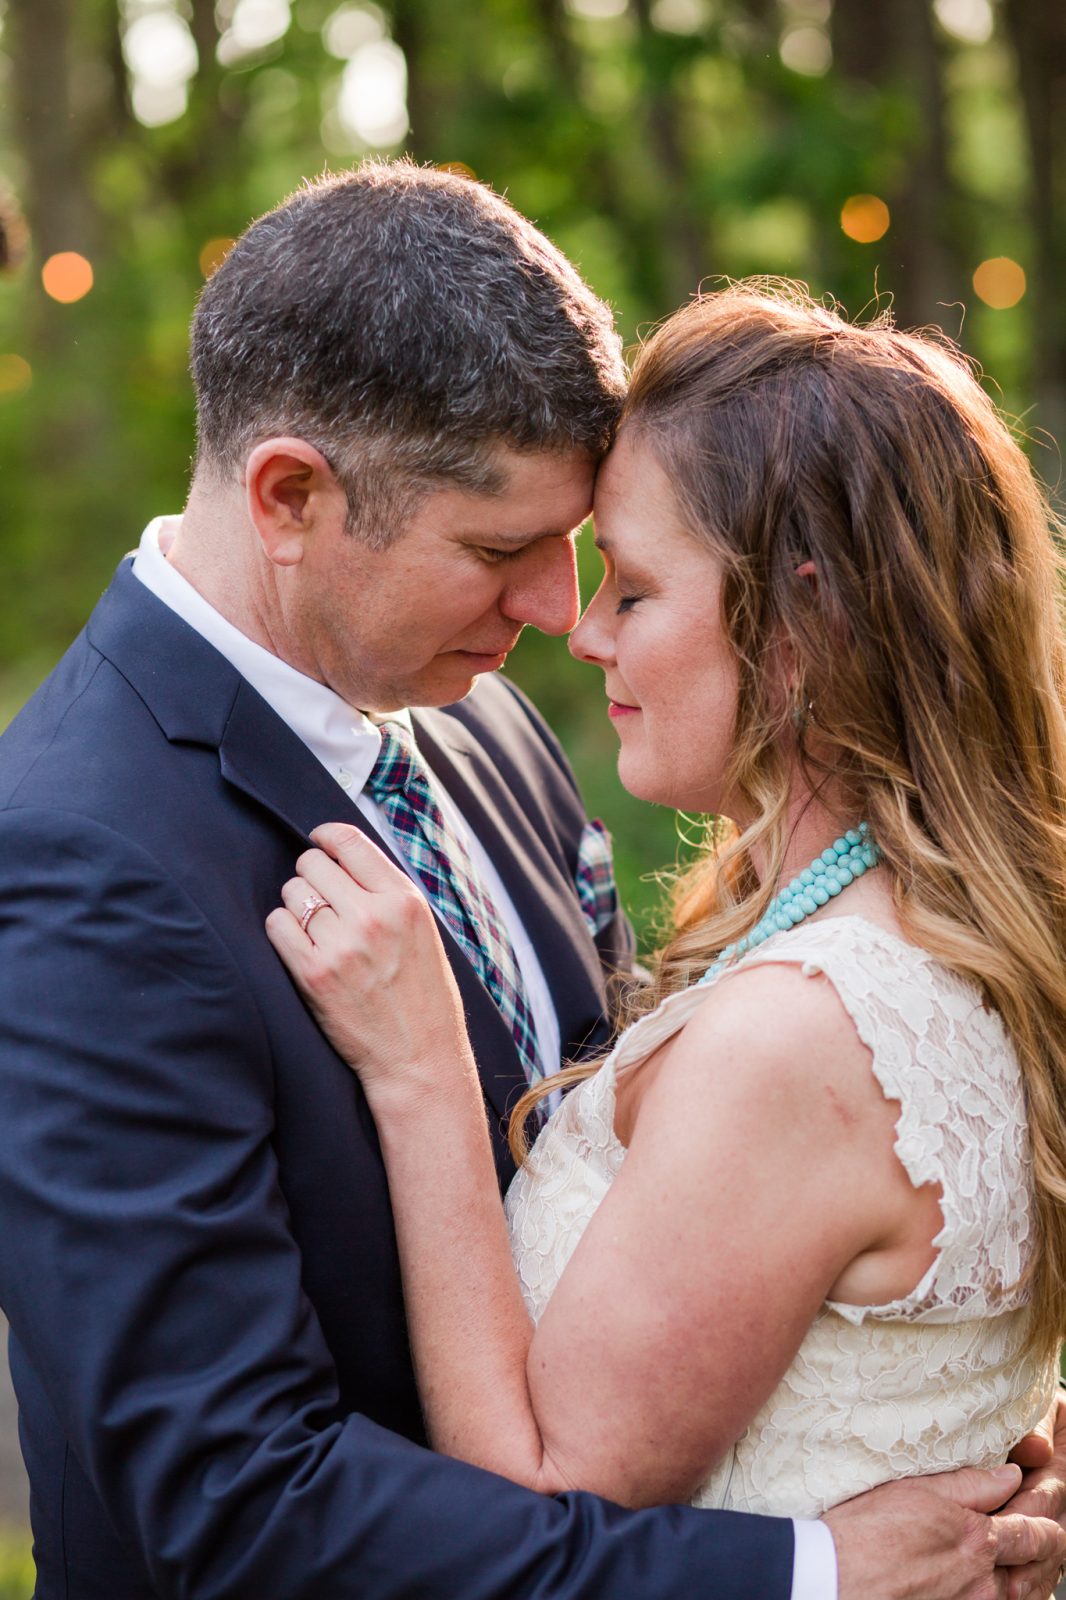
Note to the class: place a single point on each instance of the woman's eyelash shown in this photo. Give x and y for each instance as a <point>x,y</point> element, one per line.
<point>626,602</point>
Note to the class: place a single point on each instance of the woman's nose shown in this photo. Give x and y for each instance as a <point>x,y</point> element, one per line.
<point>591,639</point>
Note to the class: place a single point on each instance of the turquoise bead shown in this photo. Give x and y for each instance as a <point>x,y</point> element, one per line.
<point>838,865</point>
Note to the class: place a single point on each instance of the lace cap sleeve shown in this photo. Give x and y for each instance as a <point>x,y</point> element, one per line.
<point>962,1124</point>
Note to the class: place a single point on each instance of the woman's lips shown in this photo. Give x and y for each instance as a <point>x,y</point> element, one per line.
<point>616,709</point>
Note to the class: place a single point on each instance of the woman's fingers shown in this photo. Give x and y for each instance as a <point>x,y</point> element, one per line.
<point>284,933</point>
<point>359,856</point>
<point>309,906</point>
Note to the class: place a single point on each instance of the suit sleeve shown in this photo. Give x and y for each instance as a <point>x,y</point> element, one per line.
<point>147,1266</point>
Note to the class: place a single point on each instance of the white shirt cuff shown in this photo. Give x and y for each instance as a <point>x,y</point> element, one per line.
<point>814,1565</point>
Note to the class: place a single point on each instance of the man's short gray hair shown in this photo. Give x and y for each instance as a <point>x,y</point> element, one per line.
<point>404,321</point>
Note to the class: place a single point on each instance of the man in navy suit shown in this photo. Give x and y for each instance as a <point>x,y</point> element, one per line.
<point>403,392</point>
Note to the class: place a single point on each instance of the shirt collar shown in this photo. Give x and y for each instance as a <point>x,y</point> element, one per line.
<point>345,740</point>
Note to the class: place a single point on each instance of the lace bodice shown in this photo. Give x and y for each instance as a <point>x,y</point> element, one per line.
<point>929,1382</point>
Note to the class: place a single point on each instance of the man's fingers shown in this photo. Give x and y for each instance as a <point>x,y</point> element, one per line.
<point>1045,1497</point>
<point>1037,1448</point>
<point>1021,1540</point>
<point>980,1489</point>
<point>1029,1583</point>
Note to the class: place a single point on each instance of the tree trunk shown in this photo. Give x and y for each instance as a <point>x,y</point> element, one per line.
<point>1037,32</point>
<point>893,49</point>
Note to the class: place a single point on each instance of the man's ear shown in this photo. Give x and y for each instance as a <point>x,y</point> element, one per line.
<point>291,489</point>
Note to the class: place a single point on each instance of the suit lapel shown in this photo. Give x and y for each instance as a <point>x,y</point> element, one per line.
<point>532,867</point>
<point>198,697</point>
<point>260,755</point>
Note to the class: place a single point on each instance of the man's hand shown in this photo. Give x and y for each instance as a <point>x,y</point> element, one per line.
<point>1043,1488</point>
<point>933,1539</point>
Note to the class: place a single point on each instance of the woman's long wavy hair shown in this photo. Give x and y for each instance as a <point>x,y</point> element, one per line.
<point>927,659</point>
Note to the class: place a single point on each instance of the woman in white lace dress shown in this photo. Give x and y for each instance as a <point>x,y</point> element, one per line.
<point>803,1230</point>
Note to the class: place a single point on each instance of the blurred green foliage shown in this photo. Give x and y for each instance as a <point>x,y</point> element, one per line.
<point>659,142</point>
<point>16,1565</point>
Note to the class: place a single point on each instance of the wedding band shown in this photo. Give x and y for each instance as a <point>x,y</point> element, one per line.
<point>312,904</point>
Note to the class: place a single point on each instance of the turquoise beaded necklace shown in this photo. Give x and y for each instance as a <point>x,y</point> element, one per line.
<point>846,859</point>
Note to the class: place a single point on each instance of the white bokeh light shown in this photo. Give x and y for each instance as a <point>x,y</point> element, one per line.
<point>807,51</point>
<point>253,25</point>
<point>372,103</point>
<point>679,16</point>
<point>350,28</point>
<point>598,10</point>
<point>160,53</point>
<point>969,20</point>
<point>156,104</point>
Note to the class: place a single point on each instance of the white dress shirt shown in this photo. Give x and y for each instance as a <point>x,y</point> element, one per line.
<point>346,742</point>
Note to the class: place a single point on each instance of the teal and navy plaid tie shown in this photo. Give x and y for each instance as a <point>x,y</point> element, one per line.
<point>399,783</point>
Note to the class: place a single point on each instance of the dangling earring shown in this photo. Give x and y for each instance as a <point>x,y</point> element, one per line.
<point>802,715</point>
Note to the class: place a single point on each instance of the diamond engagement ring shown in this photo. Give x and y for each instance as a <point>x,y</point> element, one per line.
<point>312,904</point>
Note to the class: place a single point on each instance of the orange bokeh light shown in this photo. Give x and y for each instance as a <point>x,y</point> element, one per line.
<point>67,277</point>
<point>865,218</point>
<point>999,282</point>
<point>459,168</point>
<point>16,374</point>
<point>213,254</point>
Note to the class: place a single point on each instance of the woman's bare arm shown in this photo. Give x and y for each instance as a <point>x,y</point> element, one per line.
<point>760,1173</point>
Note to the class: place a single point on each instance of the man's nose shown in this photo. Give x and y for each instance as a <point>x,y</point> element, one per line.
<point>543,587</point>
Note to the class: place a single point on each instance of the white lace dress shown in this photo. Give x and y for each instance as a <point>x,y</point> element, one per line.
<point>923,1384</point>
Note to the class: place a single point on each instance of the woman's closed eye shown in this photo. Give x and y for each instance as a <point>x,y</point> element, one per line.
<point>626,602</point>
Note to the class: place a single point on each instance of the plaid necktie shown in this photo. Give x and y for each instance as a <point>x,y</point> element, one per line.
<point>399,783</point>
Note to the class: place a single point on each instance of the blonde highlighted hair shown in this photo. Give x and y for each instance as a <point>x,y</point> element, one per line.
<point>928,658</point>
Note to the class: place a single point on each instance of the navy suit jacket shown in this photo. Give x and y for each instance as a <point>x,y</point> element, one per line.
<point>197,1258</point>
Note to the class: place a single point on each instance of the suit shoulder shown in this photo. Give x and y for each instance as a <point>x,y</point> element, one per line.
<point>46,716</point>
<point>497,710</point>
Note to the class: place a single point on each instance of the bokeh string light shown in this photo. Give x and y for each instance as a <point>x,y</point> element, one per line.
<point>16,375</point>
<point>67,277</point>
<point>865,218</point>
<point>999,282</point>
<point>213,254</point>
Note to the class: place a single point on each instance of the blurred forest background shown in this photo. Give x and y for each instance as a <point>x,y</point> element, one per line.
<point>890,152</point>
<point>903,152</point>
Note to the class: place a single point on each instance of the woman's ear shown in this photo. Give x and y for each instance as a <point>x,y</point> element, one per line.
<point>290,488</point>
